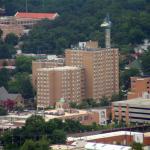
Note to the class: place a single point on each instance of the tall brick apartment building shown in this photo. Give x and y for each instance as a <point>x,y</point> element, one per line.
<point>101,68</point>
<point>59,82</point>
<point>48,63</point>
<point>88,72</point>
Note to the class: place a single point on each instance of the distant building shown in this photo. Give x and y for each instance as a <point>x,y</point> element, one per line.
<point>83,116</point>
<point>132,111</point>
<point>59,82</point>
<point>27,19</point>
<point>104,114</point>
<point>16,29</point>
<point>7,62</point>
<point>51,62</point>
<point>139,85</point>
<point>4,96</point>
<point>105,140</point>
<point>101,68</point>
<point>21,21</point>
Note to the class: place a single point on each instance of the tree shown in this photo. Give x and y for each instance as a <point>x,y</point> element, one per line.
<point>104,101</point>
<point>125,77</point>
<point>42,144</point>
<point>137,146</point>
<point>8,104</point>
<point>11,39</point>
<point>3,111</point>
<point>21,83</point>
<point>4,77</point>
<point>145,61</point>
<point>58,137</point>
<point>29,145</point>
<point>24,64</point>
<point>5,51</point>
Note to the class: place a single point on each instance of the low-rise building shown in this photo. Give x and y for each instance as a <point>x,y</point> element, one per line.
<point>83,116</point>
<point>118,137</point>
<point>132,111</point>
<point>6,98</point>
<point>21,21</point>
<point>139,85</point>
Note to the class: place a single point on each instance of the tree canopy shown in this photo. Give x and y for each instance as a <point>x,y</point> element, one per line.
<point>80,20</point>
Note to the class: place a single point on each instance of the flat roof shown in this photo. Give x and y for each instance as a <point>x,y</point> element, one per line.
<point>104,135</point>
<point>48,115</point>
<point>135,102</point>
<point>147,134</point>
<point>59,68</point>
<point>101,146</point>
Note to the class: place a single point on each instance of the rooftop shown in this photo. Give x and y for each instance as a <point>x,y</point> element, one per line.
<point>4,95</point>
<point>100,146</point>
<point>135,102</point>
<point>48,114</point>
<point>49,16</point>
<point>104,135</point>
<point>59,68</point>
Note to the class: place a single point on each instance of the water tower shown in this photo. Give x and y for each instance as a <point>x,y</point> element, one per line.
<point>107,25</point>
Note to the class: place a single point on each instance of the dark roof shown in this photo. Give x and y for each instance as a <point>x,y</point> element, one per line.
<point>4,95</point>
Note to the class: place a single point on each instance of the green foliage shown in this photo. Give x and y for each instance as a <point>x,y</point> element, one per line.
<point>5,50</point>
<point>29,145</point>
<point>137,146</point>
<point>117,97</point>
<point>125,77</point>
<point>104,101</point>
<point>24,64</point>
<point>21,83</point>
<point>11,39</point>
<point>42,144</point>
<point>90,103</point>
<point>4,77</point>
<point>39,134</point>
<point>59,137</point>
<point>80,20</point>
<point>3,112</point>
<point>145,62</point>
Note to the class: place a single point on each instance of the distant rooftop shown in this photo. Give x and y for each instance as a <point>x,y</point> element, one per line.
<point>104,135</point>
<point>135,102</point>
<point>59,68</point>
<point>49,16</point>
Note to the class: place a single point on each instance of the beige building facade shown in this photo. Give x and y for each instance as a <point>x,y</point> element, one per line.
<point>101,70</point>
<point>48,63</point>
<point>59,82</point>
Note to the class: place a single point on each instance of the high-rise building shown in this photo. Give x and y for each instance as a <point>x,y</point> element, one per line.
<point>48,63</point>
<point>59,82</point>
<point>101,69</point>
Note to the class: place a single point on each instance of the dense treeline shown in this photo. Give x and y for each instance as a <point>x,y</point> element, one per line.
<point>36,128</point>
<point>80,20</point>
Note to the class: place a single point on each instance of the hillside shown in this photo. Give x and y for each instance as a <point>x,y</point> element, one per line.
<point>80,20</point>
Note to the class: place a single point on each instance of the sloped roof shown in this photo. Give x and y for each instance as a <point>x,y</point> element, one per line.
<point>4,95</point>
<point>49,16</point>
